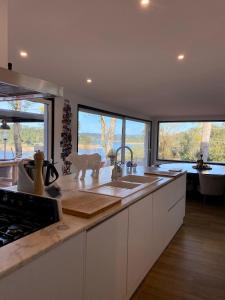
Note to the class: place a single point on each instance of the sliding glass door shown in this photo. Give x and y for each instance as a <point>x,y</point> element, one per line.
<point>137,136</point>
<point>104,132</point>
<point>98,133</point>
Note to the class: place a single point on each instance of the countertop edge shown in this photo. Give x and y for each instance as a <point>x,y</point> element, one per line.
<point>126,202</point>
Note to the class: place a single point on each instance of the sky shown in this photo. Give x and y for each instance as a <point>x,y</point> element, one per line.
<point>90,123</point>
<point>31,107</point>
<point>27,106</point>
<point>183,126</point>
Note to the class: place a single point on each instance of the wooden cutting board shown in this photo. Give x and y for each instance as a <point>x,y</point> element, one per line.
<point>87,205</point>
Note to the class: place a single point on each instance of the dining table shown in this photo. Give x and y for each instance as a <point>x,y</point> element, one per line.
<point>215,169</point>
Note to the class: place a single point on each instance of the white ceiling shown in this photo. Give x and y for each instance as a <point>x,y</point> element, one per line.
<point>129,53</point>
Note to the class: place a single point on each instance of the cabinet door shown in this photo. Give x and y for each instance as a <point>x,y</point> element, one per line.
<point>106,259</point>
<point>140,243</point>
<point>56,275</point>
<point>176,190</point>
<point>175,218</point>
<point>167,216</point>
<point>159,220</point>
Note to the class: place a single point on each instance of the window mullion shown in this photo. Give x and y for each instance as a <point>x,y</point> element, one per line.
<point>148,152</point>
<point>123,140</point>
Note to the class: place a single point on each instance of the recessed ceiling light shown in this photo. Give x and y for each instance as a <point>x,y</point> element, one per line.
<point>89,80</point>
<point>145,3</point>
<point>23,54</point>
<point>180,57</point>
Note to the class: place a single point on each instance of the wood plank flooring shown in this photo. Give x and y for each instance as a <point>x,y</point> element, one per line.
<point>193,265</point>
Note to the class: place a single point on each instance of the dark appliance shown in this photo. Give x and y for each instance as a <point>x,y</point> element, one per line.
<point>22,214</point>
<point>50,173</point>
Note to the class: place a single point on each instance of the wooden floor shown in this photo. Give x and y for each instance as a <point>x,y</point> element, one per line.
<point>193,265</point>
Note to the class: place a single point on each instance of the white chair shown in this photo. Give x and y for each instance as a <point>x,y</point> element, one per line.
<point>211,185</point>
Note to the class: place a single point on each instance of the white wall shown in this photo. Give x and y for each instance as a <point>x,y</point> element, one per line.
<point>3,33</point>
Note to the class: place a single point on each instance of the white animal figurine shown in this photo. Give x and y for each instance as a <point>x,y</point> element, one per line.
<point>85,162</point>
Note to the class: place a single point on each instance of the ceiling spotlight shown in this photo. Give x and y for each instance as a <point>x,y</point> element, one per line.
<point>180,57</point>
<point>23,54</point>
<point>145,3</point>
<point>89,80</point>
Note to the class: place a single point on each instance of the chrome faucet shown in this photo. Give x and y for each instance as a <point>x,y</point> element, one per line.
<point>117,170</point>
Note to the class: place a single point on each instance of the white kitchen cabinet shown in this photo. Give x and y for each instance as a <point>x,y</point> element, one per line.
<point>175,218</point>
<point>55,275</point>
<point>168,213</point>
<point>159,220</point>
<point>176,200</point>
<point>106,259</point>
<point>140,242</point>
<point>175,191</point>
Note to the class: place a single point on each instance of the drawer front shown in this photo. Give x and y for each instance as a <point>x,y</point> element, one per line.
<point>175,218</point>
<point>140,242</point>
<point>176,191</point>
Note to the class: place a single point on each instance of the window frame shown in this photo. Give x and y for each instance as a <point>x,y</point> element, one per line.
<point>81,107</point>
<point>51,128</point>
<point>49,115</point>
<point>49,134</point>
<point>182,121</point>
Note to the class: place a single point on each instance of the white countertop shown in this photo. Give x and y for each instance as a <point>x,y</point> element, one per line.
<point>18,253</point>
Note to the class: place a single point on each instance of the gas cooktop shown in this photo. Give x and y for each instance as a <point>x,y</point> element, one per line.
<point>22,214</point>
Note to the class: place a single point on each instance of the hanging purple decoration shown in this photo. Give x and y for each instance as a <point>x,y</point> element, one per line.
<point>66,137</point>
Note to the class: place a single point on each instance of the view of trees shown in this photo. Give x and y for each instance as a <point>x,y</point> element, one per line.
<point>89,143</point>
<point>17,105</point>
<point>30,136</point>
<point>23,136</point>
<point>103,134</point>
<point>187,140</point>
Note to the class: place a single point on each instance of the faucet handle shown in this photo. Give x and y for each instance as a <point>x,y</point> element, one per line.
<point>129,164</point>
<point>116,171</point>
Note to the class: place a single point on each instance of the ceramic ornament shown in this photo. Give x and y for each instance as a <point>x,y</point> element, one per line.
<point>85,162</point>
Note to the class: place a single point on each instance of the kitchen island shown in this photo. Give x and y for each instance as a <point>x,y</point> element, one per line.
<point>104,257</point>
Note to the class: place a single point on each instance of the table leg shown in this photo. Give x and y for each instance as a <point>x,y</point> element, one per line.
<point>14,174</point>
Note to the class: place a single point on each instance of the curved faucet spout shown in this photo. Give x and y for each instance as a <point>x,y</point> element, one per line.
<point>128,148</point>
<point>117,170</point>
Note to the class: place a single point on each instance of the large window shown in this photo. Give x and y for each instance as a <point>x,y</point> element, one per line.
<point>98,133</point>
<point>103,133</point>
<point>186,141</point>
<point>28,124</point>
<point>137,136</point>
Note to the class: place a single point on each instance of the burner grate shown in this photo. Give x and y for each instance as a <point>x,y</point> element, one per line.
<point>23,214</point>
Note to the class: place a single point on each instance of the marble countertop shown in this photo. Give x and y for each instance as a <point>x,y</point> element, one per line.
<point>20,252</point>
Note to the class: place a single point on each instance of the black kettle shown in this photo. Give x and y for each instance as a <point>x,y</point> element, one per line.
<point>50,174</point>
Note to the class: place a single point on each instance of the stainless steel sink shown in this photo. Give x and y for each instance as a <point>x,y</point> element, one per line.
<point>124,186</point>
<point>140,179</point>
